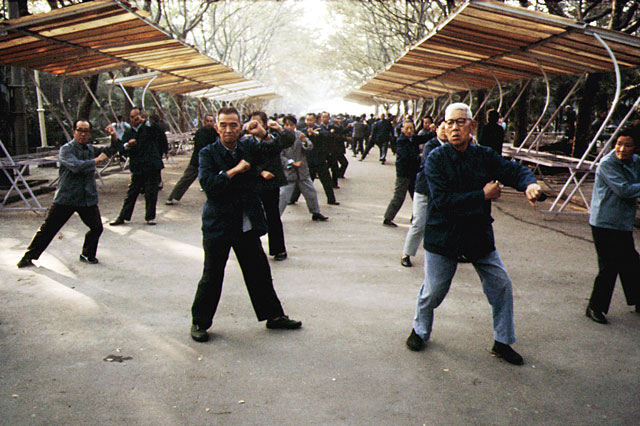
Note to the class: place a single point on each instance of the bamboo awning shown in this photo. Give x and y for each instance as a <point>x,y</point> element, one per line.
<point>107,35</point>
<point>484,43</point>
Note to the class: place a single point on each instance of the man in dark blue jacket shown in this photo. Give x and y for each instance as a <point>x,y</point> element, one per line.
<point>381,135</point>
<point>203,137</point>
<point>233,217</point>
<point>407,164</point>
<point>463,179</point>
<point>141,144</point>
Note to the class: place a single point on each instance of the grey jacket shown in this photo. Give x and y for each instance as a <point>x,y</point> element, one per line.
<point>296,152</point>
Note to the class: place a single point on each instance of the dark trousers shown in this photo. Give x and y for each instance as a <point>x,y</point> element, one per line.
<point>338,164</point>
<point>357,145</point>
<point>616,256</point>
<point>403,185</point>
<point>255,270</point>
<point>147,181</point>
<point>271,202</point>
<point>322,172</point>
<point>57,216</point>
<point>382,146</point>
<point>190,174</point>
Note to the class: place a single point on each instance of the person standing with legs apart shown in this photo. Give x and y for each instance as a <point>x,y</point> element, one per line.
<point>613,211</point>
<point>420,200</point>
<point>141,145</point>
<point>463,179</point>
<point>294,163</point>
<point>407,164</point>
<point>203,137</point>
<point>76,193</point>
<point>233,217</point>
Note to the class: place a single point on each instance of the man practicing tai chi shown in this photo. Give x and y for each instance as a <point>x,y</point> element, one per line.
<point>233,217</point>
<point>463,179</point>
<point>77,193</point>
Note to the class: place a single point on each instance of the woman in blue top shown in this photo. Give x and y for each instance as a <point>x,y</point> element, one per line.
<point>613,211</point>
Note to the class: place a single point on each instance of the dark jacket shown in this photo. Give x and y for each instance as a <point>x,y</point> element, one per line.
<point>318,155</point>
<point>492,135</point>
<point>458,217</point>
<point>77,184</point>
<point>202,138</point>
<point>145,155</point>
<point>228,199</point>
<point>269,159</point>
<point>382,131</point>
<point>408,155</point>
<point>421,182</point>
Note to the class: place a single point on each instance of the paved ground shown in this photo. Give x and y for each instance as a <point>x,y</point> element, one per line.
<point>347,365</point>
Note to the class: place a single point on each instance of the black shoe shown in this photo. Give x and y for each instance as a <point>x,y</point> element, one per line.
<point>283,322</point>
<point>507,353</point>
<point>25,262</point>
<point>596,316</point>
<point>86,259</point>
<point>336,186</point>
<point>318,217</point>
<point>151,222</point>
<point>280,256</point>
<point>199,334</point>
<point>388,222</point>
<point>333,203</point>
<point>117,222</point>
<point>415,342</point>
<point>406,261</point>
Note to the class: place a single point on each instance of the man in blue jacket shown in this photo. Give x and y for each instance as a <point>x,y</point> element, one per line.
<point>463,179</point>
<point>77,193</point>
<point>233,217</point>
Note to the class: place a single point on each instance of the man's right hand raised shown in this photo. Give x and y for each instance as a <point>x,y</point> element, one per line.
<point>491,191</point>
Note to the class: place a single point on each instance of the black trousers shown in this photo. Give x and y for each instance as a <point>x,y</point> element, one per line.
<point>616,256</point>
<point>190,174</point>
<point>357,145</point>
<point>382,146</point>
<point>57,216</point>
<point>322,172</point>
<point>255,270</point>
<point>148,181</point>
<point>271,202</point>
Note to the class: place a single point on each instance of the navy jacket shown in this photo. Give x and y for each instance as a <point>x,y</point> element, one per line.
<point>145,155</point>
<point>382,131</point>
<point>228,199</point>
<point>202,138</point>
<point>421,181</point>
<point>458,217</point>
<point>408,155</point>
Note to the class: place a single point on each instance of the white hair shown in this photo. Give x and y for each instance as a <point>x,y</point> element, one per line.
<point>458,106</point>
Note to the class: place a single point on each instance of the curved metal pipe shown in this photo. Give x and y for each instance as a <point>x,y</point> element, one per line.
<point>546,104</point>
<point>499,87</point>
<point>144,91</point>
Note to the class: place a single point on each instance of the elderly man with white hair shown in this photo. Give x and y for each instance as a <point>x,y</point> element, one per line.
<point>463,178</point>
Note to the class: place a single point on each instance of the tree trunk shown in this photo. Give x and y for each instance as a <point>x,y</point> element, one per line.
<point>20,143</point>
<point>585,114</point>
<point>86,103</point>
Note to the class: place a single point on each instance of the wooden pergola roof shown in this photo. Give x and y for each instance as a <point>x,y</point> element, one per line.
<point>107,35</point>
<point>484,43</point>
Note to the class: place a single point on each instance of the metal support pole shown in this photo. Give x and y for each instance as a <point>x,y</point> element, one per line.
<point>41,120</point>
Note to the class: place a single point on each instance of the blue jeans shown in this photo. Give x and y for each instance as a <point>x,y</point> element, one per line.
<point>416,232</point>
<point>496,284</point>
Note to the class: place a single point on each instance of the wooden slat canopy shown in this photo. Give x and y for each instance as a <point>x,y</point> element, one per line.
<point>485,37</point>
<point>107,35</point>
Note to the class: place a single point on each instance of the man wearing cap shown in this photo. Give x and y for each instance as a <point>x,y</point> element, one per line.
<point>463,178</point>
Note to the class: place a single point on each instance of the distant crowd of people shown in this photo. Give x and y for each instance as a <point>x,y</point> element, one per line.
<point>251,169</point>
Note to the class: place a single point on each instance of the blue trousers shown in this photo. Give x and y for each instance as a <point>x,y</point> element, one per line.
<point>496,284</point>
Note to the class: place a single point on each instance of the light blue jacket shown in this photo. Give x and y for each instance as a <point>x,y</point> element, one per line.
<point>615,193</point>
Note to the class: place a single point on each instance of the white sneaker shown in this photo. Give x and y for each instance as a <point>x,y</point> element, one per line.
<point>151,222</point>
